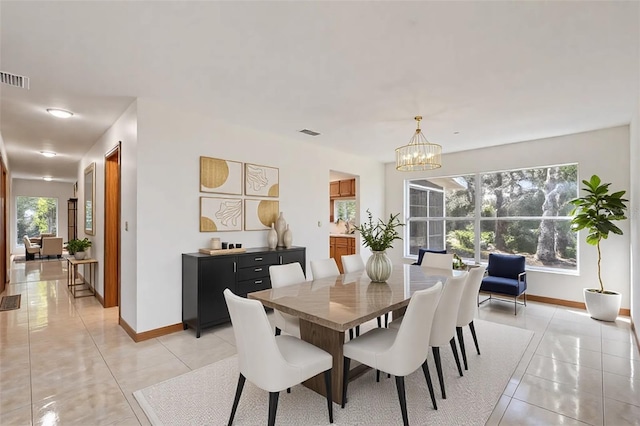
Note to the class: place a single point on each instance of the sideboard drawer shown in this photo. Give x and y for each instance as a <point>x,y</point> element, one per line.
<point>265,259</point>
<point>248,286</point>
<point>253,272</point>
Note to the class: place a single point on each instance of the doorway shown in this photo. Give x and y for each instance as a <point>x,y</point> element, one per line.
<point>112,228</point>
<point>3,226</point>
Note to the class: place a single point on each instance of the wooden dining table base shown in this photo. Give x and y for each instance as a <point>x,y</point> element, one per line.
<point>331,341</point>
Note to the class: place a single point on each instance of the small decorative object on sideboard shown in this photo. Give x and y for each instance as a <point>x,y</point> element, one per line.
<point>287,238</point>
<point>272,237</point>
<point>281,226</point>
<point>77,247</point>
<point>215,244</point>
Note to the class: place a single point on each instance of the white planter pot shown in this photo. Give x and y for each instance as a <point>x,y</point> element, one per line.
<point>602,306</point>
<point>79,255</point>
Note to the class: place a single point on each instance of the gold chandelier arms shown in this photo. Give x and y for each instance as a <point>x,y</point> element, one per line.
<point>419,154</point>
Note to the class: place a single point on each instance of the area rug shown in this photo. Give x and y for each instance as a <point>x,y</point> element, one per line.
<point>9,303</point>
<point>21,259</point>
<point>204,396</point>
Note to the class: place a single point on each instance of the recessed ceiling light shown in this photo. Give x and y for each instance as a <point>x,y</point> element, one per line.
<point>48,153</point>
<point>48,178</point>
<point>60,113</point>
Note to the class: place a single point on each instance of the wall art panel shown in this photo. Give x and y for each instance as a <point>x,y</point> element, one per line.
<point>260,214</point>
<point>220,176</point>
<point>220,214</point>
<point>261,181</point>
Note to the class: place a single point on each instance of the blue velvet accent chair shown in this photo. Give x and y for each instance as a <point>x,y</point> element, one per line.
<point>506,276</point>
<point>422,251</point>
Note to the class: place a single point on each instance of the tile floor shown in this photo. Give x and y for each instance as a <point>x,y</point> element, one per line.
<point>66,361</point>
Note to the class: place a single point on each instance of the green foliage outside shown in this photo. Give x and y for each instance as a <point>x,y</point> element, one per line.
<point>35,215</point>
<point>345,210</point>
<point>539,196</point>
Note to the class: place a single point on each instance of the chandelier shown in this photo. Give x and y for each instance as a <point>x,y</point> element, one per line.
<point>419,154</point>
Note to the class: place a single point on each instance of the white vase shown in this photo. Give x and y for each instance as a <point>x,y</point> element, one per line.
<point>379,267</point>
<point>602,306</point>
<point>79,255</point>
<point>272,237</point>
<point>287,238</point>
<point>281,226</point>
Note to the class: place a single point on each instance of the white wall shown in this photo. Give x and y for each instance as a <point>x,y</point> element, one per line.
<point>602,152</point>
<point>123,130</point>
<point>170,141</point>
<point>39,188</point>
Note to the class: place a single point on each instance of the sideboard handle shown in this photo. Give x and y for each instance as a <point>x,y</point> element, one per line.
<point>258,282</point>
<point>258,259</point>
<point>234,267</point>
<point>281,260</point>
<point>257,270</point>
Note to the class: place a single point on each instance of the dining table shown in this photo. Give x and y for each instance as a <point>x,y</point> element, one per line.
<point>328,307</point>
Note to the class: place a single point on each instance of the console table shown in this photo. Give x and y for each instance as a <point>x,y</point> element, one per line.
<point>205,277</point>
<point>88,280</point>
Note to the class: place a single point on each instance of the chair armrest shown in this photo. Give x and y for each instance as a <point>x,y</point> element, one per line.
<point>522,277</point>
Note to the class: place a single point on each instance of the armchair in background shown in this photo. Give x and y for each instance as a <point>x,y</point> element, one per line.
<point>30,249</point>
<point>51,246</point>
<point>506,275</point>
<point>422,251</point>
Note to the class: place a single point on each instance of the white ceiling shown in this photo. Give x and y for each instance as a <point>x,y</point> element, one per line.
<point>357,72</point>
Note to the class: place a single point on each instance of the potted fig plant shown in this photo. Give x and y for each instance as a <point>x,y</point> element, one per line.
<point>78,247</point>
<point>595,213</point>
<point>379,237</point>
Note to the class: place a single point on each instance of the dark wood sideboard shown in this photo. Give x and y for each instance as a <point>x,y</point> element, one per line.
<point>205,277</point>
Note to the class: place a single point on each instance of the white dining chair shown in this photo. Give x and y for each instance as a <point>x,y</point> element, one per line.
<point>272,363</point>
<point>283,276</point>
<point>468,307</point>
<point>438,260</point>
<point>443,328</point>
<point>352,263</point>
<point>399,351</point>
<point>324,268</point>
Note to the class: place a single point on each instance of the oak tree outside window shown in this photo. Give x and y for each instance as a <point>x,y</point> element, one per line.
<point>522,211</point>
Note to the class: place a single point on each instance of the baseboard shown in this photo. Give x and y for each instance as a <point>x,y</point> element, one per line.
<point>569,303</point>
<point>151,334</point>
<point>100,298</point>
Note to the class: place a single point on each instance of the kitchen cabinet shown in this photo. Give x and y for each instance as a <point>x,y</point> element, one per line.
<point>341,246</point>
<point>334,189</point>
<point>205,277</point>
<point>342,188</point>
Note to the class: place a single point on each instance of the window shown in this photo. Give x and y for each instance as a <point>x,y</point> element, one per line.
<point>36,215</point>
<point>344,210</point>
<point>521,211</point>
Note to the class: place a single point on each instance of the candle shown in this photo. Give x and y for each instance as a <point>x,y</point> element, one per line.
<point>215,243</point>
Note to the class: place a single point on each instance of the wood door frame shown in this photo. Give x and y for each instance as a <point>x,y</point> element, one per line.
<point>115,151</point>
<point>4,277</point>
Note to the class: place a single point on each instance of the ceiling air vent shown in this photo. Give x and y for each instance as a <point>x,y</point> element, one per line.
<point>14,80</point>
<point>309,132</point>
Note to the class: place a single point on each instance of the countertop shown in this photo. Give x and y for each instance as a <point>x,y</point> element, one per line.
<point>343,235</point>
